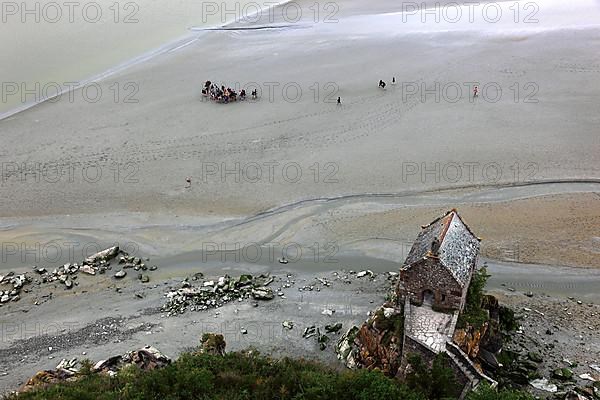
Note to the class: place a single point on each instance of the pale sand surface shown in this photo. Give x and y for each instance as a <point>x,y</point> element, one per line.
<point>84,44</point>
<point>550,229</point>
<point>171,133</point>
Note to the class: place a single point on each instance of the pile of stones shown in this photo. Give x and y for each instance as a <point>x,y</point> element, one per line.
<point>17,282</point>
<point>216,293</point>
<point>66,274</point>
<point>98,263</point>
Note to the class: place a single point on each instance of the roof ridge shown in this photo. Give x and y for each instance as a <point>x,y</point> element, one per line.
<point>437,219</point>
<point>465,224</point>
<point>443,235</point>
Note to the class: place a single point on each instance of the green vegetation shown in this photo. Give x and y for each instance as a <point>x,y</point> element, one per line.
<point>238,376</point>
<point>508,321</point>
<point>474,314</point>
<point>235,376</point>
<point>436,383</point>
<point>485,392</point>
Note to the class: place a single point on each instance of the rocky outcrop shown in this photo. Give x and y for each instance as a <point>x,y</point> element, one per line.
<point>376,344</point>
<point>469,339</point>
<point>484,342</point>
<point>146,358</point>
<point>47,378</point>
<point>346,349</point>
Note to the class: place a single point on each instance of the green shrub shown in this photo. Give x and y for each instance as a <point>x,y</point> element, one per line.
<point>437,382</point>
<point>239,376</point>
<point>508,321</point>
<point>473,314</point>
<point>485,392</point>
<point>235,376</point>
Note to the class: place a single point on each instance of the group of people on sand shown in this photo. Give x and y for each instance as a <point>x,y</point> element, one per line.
<point>226,95</point>
<point>223,94</point>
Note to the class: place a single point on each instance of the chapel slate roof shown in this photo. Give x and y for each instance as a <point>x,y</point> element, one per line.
<point>458,246</point>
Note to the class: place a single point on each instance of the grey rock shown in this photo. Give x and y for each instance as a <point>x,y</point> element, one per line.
<point>543,384</point>
<point>309,332</point>
<point>535,357</point>
<point>563,374</point>
<point>365,273</point>
<point>86,269</point>
<point>345,349</point>
<point>287,324</point>
<point>333,328</point>
<point>262,293</point>
<point>107,254</point>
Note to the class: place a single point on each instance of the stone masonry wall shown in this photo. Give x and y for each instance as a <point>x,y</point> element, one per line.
<point>429,274</point>
<point>409,347</point>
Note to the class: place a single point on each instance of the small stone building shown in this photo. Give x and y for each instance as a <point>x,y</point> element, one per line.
<point>433,285</point>
<point>440,264</point>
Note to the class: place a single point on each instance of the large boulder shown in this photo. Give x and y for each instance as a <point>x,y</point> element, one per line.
<point>103,255</point>
<point>46,378</point>
<point>263,293</point>
<point>87,270</point>
<point>376,344</point>
<point>543,384</point>
<point>346,349</point>
<point>146,358</point>
<point>563,374</point>
<point>535,357</point>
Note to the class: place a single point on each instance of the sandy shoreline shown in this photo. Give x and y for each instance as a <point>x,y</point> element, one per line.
<point>118,156</point>
<point>549,229</point>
